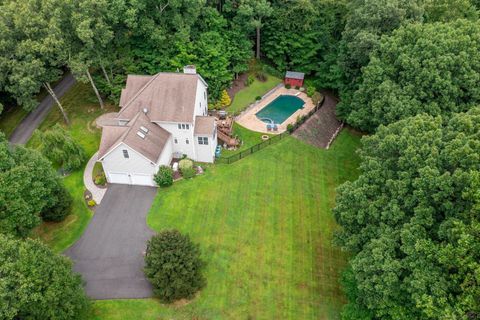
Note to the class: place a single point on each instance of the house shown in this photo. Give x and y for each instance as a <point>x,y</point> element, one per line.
<point>295,79</point>
<point>161,117</point>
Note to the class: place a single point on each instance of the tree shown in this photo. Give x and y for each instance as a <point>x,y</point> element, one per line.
<point>33,43</point>
<point>411,219</point>
<point>431,68</point>
<point>173,266</point>
<point>255,11</point>
<point>366,22</point>
<point>28,186</point>
<point>59,147</point>
<point>225,100</point>
<point>37,283</point>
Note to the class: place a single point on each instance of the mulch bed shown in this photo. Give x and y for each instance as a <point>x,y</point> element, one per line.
<point>87,196</point>
<point>238,84</point>
<point>319,128</point>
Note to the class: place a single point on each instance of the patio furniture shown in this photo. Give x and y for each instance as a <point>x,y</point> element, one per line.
<point>275,127</point>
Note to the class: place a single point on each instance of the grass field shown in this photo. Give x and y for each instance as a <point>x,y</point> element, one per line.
<point>265,228</point>
<point>247,96</point>
<point>82,108</point>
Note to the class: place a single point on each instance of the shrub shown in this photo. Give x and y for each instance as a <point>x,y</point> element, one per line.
<point>317,97</point>
<point>288,86</point>
<point>261,76</point>
<point>258,98</point>
<point>290,127</point>
<point>100,179</point>
<point>225,100</point>
<point>250,79</point>
<point>188,173</point>
<point>173,266</point>
<point>38,283</point>
<point>185,164</point>
<point>310,91</point>
<point>297,87</point>
<point>91,203</point>
<point>164,176</point>
<point>60,207</point>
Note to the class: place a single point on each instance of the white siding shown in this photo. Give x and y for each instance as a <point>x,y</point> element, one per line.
<point>181,135</point>
<point>166,155</point>
<point>201,107</point>
<point>115,163</point>
<point>206,153</point>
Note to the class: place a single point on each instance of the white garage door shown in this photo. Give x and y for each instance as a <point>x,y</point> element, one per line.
<point>142,180</point>
<point>122,178</point>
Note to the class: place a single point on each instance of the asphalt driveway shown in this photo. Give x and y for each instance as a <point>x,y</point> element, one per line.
<point>110,253</point>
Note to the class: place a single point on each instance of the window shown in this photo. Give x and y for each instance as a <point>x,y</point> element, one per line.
<point>204,94</point>
<point>186,141</point>
<point>203,140</point>
<point>188,126</point>
<point>175,140</point>
<point>179,126</point>
<point>125,154</point>
<point>183,126</point>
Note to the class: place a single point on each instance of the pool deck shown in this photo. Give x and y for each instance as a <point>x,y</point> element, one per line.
<point>249,120</point>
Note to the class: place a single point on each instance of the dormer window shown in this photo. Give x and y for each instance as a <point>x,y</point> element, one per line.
<point>125,154</point>
<point>183,126</point>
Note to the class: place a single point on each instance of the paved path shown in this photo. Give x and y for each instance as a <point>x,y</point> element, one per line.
<point>110,253</point>
<point>32,121</point>
<point>97,193</point>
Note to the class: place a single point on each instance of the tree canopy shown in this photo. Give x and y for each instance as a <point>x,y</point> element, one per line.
<point>420,68</point>
<point>412,219</point>
<point>28,186</point>
<point>36,283</point>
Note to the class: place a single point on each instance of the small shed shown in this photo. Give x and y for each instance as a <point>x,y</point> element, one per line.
<point>295,79</point>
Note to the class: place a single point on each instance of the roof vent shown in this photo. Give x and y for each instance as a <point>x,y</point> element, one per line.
<point>145,110</point>
<point>145,130</point>
<point>190,69</point>
<point>141,134</point>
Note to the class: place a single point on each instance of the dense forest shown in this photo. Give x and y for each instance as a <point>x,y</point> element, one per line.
<point>407,73</point>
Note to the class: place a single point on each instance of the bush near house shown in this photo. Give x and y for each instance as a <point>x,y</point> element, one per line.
<point>188,173</point>
<point>164,176</point>
<point>173,266</point>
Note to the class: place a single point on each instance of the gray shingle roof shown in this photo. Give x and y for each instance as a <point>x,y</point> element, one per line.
<point>204,125</point>
<point>150,146</point>
<point>295,75</point>
<point>167,96</point>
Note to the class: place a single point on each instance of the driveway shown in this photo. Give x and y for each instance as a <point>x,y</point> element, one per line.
<point>24,130</point>
<point>110,253</point>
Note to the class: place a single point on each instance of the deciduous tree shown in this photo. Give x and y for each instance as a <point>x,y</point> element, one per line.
<point>411,219</point>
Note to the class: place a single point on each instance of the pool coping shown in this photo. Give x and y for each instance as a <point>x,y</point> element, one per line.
<point>249,120</point>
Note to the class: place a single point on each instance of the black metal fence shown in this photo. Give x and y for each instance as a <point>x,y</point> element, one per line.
<point>242,154</point>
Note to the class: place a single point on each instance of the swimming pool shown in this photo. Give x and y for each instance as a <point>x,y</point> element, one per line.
<point>280,109</point>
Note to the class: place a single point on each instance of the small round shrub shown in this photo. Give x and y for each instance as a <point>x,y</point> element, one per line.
<point>91,203</point>
<point>297,87</point>
<point>188,173</point>
<point>288,86</point>
<point>258,98</point>
<point>310,91</point>
<point>100,180</point>
<point>185,164</point>
<point>290,127</point>
<point>164,176</point>
<point>173,266</point>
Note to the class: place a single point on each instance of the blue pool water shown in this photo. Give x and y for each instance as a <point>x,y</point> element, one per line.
<point>280,109</point>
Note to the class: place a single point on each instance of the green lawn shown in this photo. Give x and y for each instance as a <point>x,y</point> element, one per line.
<point>265,228</point>
<point>248,137</point>
<point>82,108</point>
<point>247,96</point>
<point>9,119</point>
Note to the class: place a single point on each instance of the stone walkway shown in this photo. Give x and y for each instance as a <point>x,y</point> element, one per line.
<point>97,193</point>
